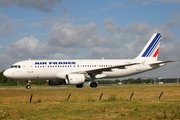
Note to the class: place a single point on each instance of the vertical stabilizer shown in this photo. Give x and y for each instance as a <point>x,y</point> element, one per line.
<point>151,50</point>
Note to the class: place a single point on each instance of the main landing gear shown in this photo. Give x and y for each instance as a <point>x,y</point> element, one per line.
<point>28,86</point>
<point>93,84</point>
<point>79,85</point>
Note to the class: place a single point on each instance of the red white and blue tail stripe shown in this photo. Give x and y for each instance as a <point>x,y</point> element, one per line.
<point>151,50</point>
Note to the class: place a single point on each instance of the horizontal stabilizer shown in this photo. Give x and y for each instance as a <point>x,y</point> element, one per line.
<point>160,63</point>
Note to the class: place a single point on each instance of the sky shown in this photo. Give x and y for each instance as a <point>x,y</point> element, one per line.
<point>89,29</point>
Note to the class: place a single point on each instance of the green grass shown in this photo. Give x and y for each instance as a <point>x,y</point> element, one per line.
<point>51,102</point>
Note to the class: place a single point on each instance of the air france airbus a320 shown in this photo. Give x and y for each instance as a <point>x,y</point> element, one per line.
<point>76,72</point>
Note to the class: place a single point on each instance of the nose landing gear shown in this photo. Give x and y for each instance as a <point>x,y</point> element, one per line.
<point>28,86</point>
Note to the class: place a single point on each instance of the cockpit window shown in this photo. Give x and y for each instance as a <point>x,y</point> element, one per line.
<point>15,66</point>
<point>12,66</point>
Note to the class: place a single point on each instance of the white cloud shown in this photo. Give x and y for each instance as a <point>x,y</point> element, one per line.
<point>110,26</point>
<point>24,47</point>
<point>70,35</point>
<point>58,56</point>
<point>31,47</point>
<point>170,51</point>
<point>6,61</point>
<point>42,5</point>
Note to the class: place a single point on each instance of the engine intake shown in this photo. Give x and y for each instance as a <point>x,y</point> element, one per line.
<point>75,79</point>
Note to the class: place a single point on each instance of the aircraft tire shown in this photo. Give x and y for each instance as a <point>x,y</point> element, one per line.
<point>28,87</point>
<point>79,85</point>
<point>93,85</point>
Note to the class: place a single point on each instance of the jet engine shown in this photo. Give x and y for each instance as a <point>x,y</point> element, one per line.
<point>55,82</point>
<point>75,79</point>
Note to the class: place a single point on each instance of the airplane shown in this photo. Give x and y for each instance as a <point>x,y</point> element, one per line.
<point>76,72</point>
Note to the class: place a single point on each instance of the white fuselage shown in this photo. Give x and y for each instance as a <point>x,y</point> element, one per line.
<point>57,69</point>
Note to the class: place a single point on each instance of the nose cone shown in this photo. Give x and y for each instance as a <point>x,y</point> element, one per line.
<point>6,73</point>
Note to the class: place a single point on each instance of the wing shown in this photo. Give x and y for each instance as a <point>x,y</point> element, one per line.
<point>100,70</point>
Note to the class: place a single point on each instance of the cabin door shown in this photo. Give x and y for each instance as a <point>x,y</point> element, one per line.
<point>30,67</point>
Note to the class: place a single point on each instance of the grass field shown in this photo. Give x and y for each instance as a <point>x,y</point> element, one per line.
<point>51,102</point>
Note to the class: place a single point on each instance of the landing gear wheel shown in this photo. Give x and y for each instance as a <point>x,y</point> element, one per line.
<point>28,86</point>
<point>93,85</point>
<point>79,85</point>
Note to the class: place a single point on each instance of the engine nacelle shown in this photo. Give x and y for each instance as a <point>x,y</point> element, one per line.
<point>55,82</point>
<point>75,79</point>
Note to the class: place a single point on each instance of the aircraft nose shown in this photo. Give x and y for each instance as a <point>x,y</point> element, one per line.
<point>6,73</point>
